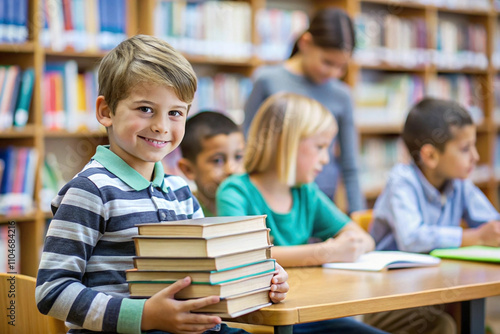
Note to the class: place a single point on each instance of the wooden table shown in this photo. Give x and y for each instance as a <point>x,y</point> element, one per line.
<point>319,294</point>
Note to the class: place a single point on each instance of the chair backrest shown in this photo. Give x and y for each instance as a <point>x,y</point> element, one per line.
<point>17,302</point>
<point>363,218</point>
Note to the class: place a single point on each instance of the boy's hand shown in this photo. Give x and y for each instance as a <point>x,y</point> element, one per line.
<point>163,312</point>
<point>490,234</point>
<point>279,285</point>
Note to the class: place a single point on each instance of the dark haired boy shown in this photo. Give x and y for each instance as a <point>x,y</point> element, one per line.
<point>212,150</point>
<point>423,203</point>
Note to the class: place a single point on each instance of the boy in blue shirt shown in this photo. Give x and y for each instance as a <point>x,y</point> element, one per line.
<point>145,91</point>
<point>212,150</point>
<point>424,202</point>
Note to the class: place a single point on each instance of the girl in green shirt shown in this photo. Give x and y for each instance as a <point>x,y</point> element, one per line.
<point>287,147</point>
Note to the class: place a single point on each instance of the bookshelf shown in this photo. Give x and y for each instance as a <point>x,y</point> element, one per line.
<point>31,225</point>
<point>73,148</point>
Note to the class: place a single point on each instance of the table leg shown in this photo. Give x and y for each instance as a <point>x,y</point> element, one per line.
<point>283,329</point>
<point>472,316</point>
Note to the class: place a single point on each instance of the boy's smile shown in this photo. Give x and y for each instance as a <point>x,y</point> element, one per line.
<point>146,126</point>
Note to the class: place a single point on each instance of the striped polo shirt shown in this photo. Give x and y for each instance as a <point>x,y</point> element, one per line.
<point>89,243</point>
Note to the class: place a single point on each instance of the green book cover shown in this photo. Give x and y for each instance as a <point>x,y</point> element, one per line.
<point>470,253</point>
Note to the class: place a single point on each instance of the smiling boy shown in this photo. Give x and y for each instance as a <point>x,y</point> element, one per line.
<point>212,150</point>
<point>145,91</point>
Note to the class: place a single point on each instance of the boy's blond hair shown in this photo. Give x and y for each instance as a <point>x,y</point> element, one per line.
<point>274,135</point>
<point>144,59</point>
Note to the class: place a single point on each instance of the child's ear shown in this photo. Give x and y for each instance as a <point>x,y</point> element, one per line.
<point>187,168</point>
<point>429,155</point>
<point>103,111</point>
<point>305,41</point>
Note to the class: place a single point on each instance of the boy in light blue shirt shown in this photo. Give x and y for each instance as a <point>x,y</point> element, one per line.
<point>423,203</point>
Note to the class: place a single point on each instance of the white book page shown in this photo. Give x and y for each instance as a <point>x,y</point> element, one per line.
<point>380,260</point>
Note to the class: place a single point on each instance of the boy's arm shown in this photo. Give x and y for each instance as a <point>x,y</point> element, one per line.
<point>481,217</point>
<point>477,208</point>
<point>401,208</point>
<point>75,229</point>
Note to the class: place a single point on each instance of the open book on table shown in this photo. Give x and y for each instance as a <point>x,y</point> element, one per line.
<point>471,253</point>
<point>383,260</point>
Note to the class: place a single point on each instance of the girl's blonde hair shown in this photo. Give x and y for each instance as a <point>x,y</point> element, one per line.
<point>281,122</point>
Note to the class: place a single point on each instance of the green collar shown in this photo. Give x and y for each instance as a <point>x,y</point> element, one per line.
<point>127,174</point>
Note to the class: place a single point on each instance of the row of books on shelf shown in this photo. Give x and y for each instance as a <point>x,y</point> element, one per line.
<point>69,97</point>
<point>16,91</point>
<point>219,29</point>
<point>383,100</point>
<point>224,256</point>
<point>223,28</point>
<point>10,250</point>
<point>278,30</point>
<point>17,184</point>
<point>83,25</point>
<point>394,40</point>
<point>13,21</point>
<point>225,93</point>
<point>379,155</point>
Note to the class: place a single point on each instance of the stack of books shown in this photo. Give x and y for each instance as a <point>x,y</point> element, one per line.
<point>224,256</point>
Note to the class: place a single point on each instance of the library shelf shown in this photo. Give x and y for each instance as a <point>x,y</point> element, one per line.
<point>207,60</point>
<point>390,68</point>
<point>17,218</point>
<point>27,131</point>
<point>464,11</point>
<point>467,70</point>
<point>397,4</point>
<point>76,134</point>
<point>26,47</point>
<point>380,129</point>
<point>75,54</point>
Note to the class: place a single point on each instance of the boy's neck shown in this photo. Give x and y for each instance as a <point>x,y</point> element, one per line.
<point>435,180</point>
<point>207,203</point>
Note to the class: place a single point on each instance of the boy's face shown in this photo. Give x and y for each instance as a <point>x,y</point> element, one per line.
<point>460,154</point>
<point>220,157</point>
<point>146,126</point>
<point>313,155</point>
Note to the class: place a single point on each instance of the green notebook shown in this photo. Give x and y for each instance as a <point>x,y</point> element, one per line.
<point>471,253</point>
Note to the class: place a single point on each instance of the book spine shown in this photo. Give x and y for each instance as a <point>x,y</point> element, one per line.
<point>21,113</point>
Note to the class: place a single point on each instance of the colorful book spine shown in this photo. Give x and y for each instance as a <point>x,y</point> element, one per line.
<point>18,179</point>
<point>83,25</point>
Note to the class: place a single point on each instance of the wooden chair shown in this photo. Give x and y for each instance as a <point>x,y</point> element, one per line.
<point>363,218</point>
<point>18,293</point>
